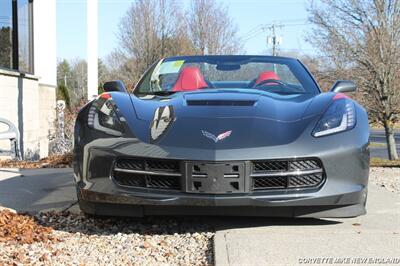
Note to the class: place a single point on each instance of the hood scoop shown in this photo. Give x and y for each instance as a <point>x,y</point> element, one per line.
<point>220,102</point>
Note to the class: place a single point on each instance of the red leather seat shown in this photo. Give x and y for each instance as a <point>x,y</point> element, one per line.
<point>190,79</point>
<point>266,75</point>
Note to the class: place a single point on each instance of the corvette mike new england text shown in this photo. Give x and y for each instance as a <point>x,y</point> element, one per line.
<point>350,260</point>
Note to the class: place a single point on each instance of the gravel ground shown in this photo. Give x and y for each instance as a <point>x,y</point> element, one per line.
<point>386,177</point>
<point>115,241</point>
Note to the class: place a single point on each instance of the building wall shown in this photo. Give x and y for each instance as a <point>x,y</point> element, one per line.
<point>28,101</point>
<point>8,103</point>
<point>31,108</point>
<point>47,111</point>
<point>29,116</point>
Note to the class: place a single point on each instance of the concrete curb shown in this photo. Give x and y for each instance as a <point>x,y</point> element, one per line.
<point>7,209</point>
<point>10,172</point>
<point>221,257</point>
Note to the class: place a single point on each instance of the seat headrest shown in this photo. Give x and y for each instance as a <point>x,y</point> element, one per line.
<point>266,75</point>
<point>190,79</point>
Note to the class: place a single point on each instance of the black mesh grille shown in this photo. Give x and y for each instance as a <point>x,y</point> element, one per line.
<point>148,164</point>
<point>305,180</point>
<point>130,164</point>
<point>282,165</point>
<point>270,183</point>
<point>270,166</point>
<point>166,182</point>
<point>287,174</point>
<point>170,166</point>
<point>147,173</point>
<point>279,182</point>
<point>128,179</point>
<point>304,165</point>
<point>146,181</point>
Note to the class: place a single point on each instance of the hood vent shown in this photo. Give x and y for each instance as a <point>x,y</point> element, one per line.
<point>220,103</point>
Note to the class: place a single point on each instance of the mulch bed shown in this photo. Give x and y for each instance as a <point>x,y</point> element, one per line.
<point>55,161</point>
<point>23,229</point>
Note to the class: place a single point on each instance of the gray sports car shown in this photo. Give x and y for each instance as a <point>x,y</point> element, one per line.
<point>223,135</point>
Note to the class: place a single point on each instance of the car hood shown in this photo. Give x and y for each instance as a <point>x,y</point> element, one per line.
<point>228,104</point>
<point>196,119</point>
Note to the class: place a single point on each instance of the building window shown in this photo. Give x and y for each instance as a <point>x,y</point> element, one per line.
<point>16,35</point>
<point>6,34</point>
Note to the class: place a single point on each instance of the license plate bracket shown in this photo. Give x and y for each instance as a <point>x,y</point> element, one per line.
<point>215,178</point>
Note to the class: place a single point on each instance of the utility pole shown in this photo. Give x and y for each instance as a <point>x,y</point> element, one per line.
<point>274,40</point>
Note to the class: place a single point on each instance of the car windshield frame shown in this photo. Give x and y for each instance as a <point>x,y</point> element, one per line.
<point>296,68</point>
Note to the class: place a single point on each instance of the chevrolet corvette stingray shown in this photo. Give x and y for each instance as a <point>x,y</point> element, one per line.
<point>223,135</point>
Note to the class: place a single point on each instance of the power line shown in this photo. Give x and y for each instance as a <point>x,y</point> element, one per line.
<point>250,32</point>
<point>265,27</point>
<point>297,24</point>
<point>253,35</point>
<point>273,39</point>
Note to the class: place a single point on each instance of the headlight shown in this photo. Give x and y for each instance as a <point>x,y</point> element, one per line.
<point>103,116</point>
<point>339,117</point>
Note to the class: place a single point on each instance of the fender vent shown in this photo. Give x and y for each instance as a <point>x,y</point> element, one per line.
<point>219,103</point>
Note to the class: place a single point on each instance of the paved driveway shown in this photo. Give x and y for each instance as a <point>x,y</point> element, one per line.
<point>303,241</point>
<point>37,189</point>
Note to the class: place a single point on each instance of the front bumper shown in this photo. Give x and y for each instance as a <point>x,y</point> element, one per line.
<point>343,193</point>
<point>349,204</point>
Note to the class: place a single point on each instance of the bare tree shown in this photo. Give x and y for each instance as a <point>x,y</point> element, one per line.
<point>211,29</point>
<point>104,74</point>
<point>151,29</point>
<point>361,39</point>
<point>79,77</point>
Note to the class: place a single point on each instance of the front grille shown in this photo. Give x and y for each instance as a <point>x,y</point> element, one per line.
<point>305,180</point>
<point>270,166</point>
<point>147,173</point>
<point>146,181</point>
<point>287,174</point>
<point>128,179</point>
<point>304,165</point>
<point>271,182</point>
<point>265,175</point>
<point>148,164</point>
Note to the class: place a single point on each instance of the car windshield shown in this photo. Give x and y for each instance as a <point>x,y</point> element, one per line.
<point>192,73</point>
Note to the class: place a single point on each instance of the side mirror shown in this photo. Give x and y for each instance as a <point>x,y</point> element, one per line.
<point>115,85</point>
<point>344,86</point>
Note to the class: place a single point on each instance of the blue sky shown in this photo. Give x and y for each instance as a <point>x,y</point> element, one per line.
<point>247,14</point>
